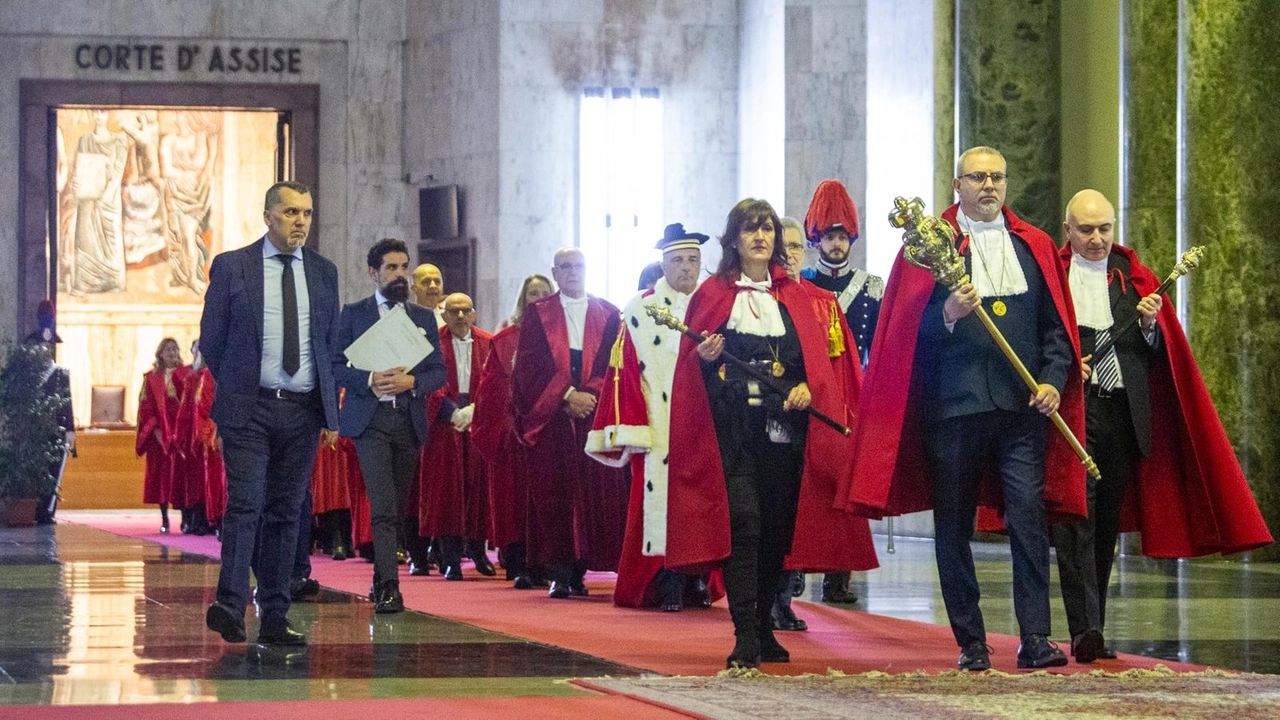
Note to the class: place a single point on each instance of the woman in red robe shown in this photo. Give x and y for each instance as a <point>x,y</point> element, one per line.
<point>157,426</point>
<point>494,436</point>
<point>199,466</point>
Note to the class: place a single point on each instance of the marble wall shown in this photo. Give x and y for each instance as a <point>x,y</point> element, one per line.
<point>762,94</point>
<point>826,81</point>
<point>354,56</point>
<point>1007,97</point>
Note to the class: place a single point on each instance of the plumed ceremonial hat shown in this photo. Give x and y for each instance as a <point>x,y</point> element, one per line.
<point>831,207</point>
<point>676,238</point>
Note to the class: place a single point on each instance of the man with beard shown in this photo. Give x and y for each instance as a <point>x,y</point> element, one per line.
<point>428,288</point>
<point>577,508</point>
<point>633,426</point>
<point>831,226</point>
<point>384,412</point>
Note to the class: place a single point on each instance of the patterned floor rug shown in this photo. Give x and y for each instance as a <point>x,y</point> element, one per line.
<point>1131,694</point>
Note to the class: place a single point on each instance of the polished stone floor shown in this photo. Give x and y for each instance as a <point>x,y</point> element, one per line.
<point>93,617</point>
<point>1207,611</point>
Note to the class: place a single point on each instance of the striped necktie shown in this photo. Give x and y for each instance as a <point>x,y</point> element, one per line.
<point>1106,370</point>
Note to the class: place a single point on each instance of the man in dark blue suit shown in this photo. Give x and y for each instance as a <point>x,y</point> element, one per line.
<point>385,412</point>
<point>268,336</point>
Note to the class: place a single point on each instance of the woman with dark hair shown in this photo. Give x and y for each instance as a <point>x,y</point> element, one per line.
<point>493,435</point>
<point>734,494</point>
<point>157,427</point>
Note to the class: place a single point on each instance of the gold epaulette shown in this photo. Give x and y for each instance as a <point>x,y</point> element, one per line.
<point>835,338</point>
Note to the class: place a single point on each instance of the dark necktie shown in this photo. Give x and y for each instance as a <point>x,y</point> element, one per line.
<point>291,360</point>
<point>1107,369</point>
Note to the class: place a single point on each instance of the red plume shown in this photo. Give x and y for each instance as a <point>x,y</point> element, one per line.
<point>831,205</point>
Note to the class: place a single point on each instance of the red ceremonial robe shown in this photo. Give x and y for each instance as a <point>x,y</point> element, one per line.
<point>698,514</point>
<point>890,476</point>
<point>452,486</point>
<point>330,489</point>
<point>1191,497</point>
<point>189,480</point>
<point>494,439</point>
<point>361,521</point>
<point>198,441</point>
<point>158,410</point>
<point>577,507</point>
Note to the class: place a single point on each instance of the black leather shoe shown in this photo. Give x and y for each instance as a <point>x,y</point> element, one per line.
<point>785,619</point>
<point>771,651</point>
<point>222,620</point>
<point>1037,652</point>
<point>389,599</point>
<point>672,605</point>
<point>453,572</point>
<point>837,594</point>
<point>522,583</point>
<point>798,589</point>
<point>559,590</point>
<point>975,656</point>
<point>578,589</point>
<point>484,566</point>
<point>1086,646</point>
<point>746,654</point>
<point>341,553</point>
<point>164,526</point>
<point>281,634</point>
<point>1106,653</point>
<point>303,589</point>
<point>417,570</point>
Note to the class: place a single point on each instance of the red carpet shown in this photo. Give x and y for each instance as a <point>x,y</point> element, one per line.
<point>695,642</point>
<point>605,707</point>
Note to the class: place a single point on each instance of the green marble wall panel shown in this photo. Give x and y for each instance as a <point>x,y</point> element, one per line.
<point>944,102</point>
<point>1008,96</point>
<point>1232,88</point>
<point>1148,207</point>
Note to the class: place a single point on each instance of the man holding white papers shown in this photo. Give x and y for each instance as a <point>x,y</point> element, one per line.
<point>383,410</point>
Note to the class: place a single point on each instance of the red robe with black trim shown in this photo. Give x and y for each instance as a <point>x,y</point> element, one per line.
<point>361,520</point>
<point>577,507</point>
<point>330,488</point>
<point>453,490</point>
<point>1191,497</point>
<point>190,469</point>
<point>158,405</point>
<point>890,475</point>
<point>698,514</point>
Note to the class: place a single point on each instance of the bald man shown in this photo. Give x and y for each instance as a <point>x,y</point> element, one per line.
<point>577,507</point>
<point>428,288</point>
<point>452,486</point>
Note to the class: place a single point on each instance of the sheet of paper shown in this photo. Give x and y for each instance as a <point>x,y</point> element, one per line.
<point>393,341</point>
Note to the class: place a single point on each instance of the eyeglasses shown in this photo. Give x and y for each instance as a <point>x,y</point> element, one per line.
<point>458,311</point>
<point>980,178</point>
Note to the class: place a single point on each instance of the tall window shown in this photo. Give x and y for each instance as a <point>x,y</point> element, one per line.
<point>619,186</point>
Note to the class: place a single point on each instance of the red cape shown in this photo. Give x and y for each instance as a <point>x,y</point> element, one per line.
<point>158,411</point>
<point>493,436</point>
<point>453,489</point>
<point>890,474</point>
<point>698,509</point>
<point>1191,497</point>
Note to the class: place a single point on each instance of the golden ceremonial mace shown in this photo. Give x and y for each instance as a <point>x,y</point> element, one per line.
<point>664,316</point>
<point>930,243</point>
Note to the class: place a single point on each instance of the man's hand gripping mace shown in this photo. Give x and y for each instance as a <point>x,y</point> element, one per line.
<point>663,316</point>
<point>1190,261</point>
<point>930,243</point>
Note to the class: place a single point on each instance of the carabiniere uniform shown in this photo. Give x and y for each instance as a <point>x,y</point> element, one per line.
<point>859,294</point>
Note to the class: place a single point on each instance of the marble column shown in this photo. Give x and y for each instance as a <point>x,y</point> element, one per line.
<point>1231,86</point>
<point>1007,96</point>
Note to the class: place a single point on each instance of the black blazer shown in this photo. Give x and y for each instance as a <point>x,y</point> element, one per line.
<point>964,372</point>
<point>231,331</point>
<point>359,402</point>
<point>1132,351</point>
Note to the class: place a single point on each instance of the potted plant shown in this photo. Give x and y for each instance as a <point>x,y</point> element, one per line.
<point>31,441</point>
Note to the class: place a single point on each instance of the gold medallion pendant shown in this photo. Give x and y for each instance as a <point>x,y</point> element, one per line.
<point>777,370</point>
<point>998,307</point>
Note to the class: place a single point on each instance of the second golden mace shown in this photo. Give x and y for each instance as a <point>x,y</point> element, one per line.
<point>930,243</point>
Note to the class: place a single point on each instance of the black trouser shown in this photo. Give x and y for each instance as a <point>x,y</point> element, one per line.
<point>1086,550</point>
<point>763,490</point>
<point>959,449</point>
<point>269,462</point>
<point>388,455</point>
